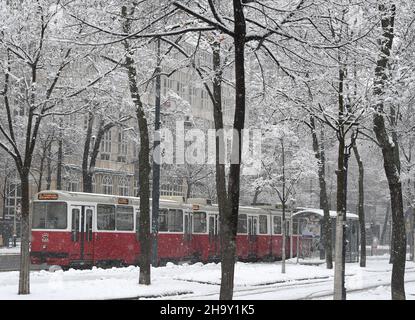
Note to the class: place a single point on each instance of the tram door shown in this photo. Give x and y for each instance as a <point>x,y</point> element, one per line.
<point>214,235</point>
<point>81,233</point>
<point>252,235</point>
<point>187,236</point>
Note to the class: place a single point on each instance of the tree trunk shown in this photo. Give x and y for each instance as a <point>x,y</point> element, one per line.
<point>49,167</point>
<point>361,210</point>
<point>227,251</point>
<point>189,189</point>
<point>144,220</point>
<point>143,158</point>
<point>385,225</point>
<point>230,222</point>
<point>283,199</point>
<point>338,267</point>
<point>24,275</point>
<point>390,152</point>
<point>256,195</point>
<point>284,236</point>
<point>86,173</point>
<point>324,203</point>
<point>59,165</point>
<point>41,169</point>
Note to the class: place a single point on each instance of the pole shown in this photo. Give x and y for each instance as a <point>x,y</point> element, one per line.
<point>291,233</point>
<point>346,165</point>
<point>156,161</point>
<point>298,239</point>
<point>284,233</point>
<point>15,211</point>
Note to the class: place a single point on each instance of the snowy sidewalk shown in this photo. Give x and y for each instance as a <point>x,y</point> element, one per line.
<point>198,281</point>
<point>9,251</point>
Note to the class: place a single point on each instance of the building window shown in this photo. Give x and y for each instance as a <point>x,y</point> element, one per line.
<point>136,188</point>
<point>107,185</point>
<point>171,186</point>
<point>123,186</point>
<point>13,200</point>
<point>122,143</point>
<point>106,146</point>
<point>72,185</point>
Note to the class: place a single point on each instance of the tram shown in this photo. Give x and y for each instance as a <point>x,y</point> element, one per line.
<point>73,229</point>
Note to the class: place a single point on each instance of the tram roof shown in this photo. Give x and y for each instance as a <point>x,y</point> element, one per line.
<point>61,195</point>
<point>320,212</point>
<point>92,197</point>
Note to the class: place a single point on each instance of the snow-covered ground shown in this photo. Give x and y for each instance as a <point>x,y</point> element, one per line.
<point>201,281</point>
<point>12,250</point>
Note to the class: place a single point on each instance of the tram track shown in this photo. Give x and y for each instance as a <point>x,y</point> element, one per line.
<point>324,295</point>
<point>295,285</point>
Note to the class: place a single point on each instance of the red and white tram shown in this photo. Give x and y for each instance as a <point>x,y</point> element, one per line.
<point>82,229</point>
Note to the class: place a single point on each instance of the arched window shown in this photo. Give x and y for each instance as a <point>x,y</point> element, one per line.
<point>107,184</point>
<point>123,186</point>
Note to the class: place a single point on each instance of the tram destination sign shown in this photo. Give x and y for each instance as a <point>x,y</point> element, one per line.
<point>47,196</point>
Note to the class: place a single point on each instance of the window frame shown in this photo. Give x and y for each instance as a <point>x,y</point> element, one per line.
<point>266,224</point>
<point>98,214</point>
<point>193,222</point>
<point>246,224</point>
<point>273,225</point>
<point>51,202</point>
<point>117,213</point>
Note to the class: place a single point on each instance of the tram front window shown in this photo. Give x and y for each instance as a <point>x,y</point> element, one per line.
<point>49,215</point>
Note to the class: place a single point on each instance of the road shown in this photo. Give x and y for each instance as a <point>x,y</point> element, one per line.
<point>313,289</point>
<point>11,262</point>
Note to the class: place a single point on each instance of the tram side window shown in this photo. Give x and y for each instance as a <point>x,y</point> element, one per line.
<point>277,225</point>
<point>242,223</point>
<point>105,217</point>
<point>49,215</point>
<point>263,224</point>
<point>175,220</point>
<point>199,222</point>
<point>163,220</point>
<point>125,218</point>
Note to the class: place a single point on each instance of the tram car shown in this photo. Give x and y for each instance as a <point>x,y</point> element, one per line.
<point>73,229</point>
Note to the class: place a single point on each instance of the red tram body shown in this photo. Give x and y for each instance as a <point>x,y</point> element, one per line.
<point>72,229</point>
